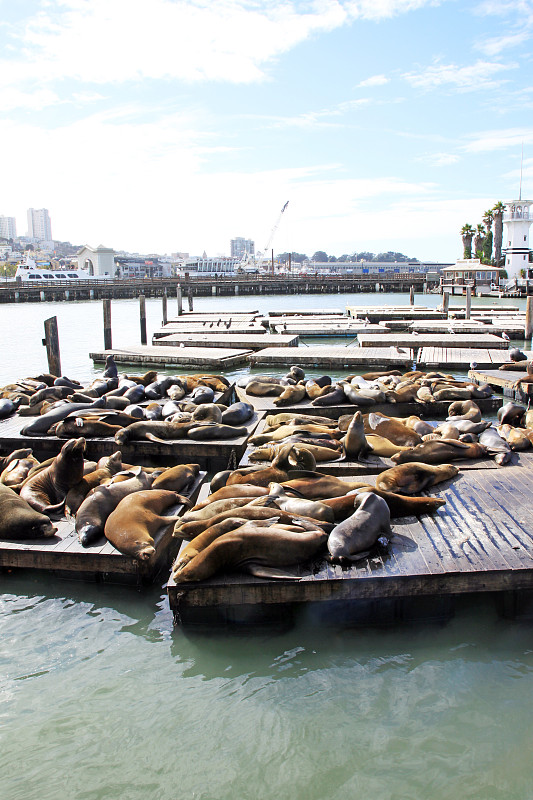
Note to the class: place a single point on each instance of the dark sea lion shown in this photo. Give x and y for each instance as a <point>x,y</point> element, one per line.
<point>296,373</point>
<point>237,413</point>
<point>41,424</point>
<point>202,394</point>
<point>333,398</point>
<point>207,412</point>
<point>110,370</point>
<point>46,490</point>
<point>132,526</point>
<point>7,408</point>
<point>64,381</point>
<point>18,520</point>
<point>516,437</point>
<point>98,505</point>
<point>106,468</point>
<point>355,536</point>
<point>89,428</point>
<point>51,393</point>
<point>135,394</point>
<point>356,397</point>
<point>256,553</point>
<point>511,413</point>
<point>355,444</point>
<point>497,447</point>
<point>180,478</point>
<point>213,431</point>
<point>440,451</point>
<point>13,456</point>
<point>209,535</point>
<point>153,430</point>
<point>414,477</point>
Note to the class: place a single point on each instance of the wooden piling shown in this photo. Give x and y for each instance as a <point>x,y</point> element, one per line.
<point>445,302</point>
<point>51,341</point>
<point>180,300</point>
<point>189,298</point>
<point>142,310</point>
<point>528,330</point>
<point>164,302</point>
<point>108,338</point>
<point>468,306</point>
<point>412,296</point>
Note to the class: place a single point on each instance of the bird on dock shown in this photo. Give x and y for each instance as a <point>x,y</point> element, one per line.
<point>211,325</point>
<point>505,337</point>
<point>473,365</point>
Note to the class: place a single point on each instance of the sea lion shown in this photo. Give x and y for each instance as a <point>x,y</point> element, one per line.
<point>516,437</point>
<point>497,447</point>
<point>133,525</point>
<point>212,431</point>
<point>7,408</point>
<point>414,477</point>
<point>511,413</point>
<point>153,430</point>
<point>259,388</point>
<point>207,412</point>
<point>234,490</point>
<point>14,456</point>
<point>180,478</point>
<point>399,505</point>
<point>110,370</point>
<point>290,395</point>
<point>189,530</point>
<point>441,451</point>
<point>255,552</point>
<point>98,505</point>
<point>354,442</point>
<point>51,393</point>
<point>418,425</point>
<point>17,471</point>
<point>18,520</point>
<point>333,398</point>
<point>212,509</point>
<point>295,457</point>
<point>379,446</point>
<point>237,414</point>
<point>274,421</point>
<point>372,376</point>
<point>465,409</point>
<point>46,490</point>
<point>41,424</point>
<point>290,430</point>
<point>283,497</point>
<point>352,539</point>
<point>106,468</point>
<point>89,427</point>
<point>144,380</point>
<point>391,429</point>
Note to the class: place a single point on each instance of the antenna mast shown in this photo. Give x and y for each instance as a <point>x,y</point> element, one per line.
<point>521,169</point>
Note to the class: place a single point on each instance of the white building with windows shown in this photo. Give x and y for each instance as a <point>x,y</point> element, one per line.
<point>242,247</point>
<point>8,227</point>
<point>516,221</point>
<point>39,225</point>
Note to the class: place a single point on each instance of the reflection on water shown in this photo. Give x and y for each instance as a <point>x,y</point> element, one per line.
<point>101,698</point>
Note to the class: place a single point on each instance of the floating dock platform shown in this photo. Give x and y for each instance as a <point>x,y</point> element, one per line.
<point>446,358</point>
<point>480,541</point>
<point>334,357</point>
<point>448,340</point>
<point>239,341</point>
<point>63,554</point>
<point>504,380</point>
<point>212,358</point>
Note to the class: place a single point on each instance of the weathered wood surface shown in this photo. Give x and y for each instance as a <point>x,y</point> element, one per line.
<point>480,541</point>
<point>515,330</point>
<point>332,328</point>
<point>63,552</point>
<point>504,380</point>
<point>208,453</point>
<point>213,358</point>
<point>437,410</point>
<point>459,358</point>
<point>236,330</point>
<point>337,357</point>
<point>386,313</point>
<point>448,340</point>
<point>226,340</point>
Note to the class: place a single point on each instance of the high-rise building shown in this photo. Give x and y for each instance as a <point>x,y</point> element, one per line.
<point>39,225</point>
<point>241,247</point>
<point>8,227</point>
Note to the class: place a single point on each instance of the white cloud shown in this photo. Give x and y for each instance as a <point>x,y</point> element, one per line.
<point>471,78</point>
<point>487,141</point>
<point>439,159</point>
<point>375,80</point>
<point>493,47</point>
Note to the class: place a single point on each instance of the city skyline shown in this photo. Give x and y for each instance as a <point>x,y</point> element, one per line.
<point>388,125</point>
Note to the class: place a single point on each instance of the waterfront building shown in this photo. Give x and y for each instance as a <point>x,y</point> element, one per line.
<point>8,227</point>
<point>517,220</point>
<point>98,260</point>
<point>370,267</point>
<point>139,267</point>
<point>39,225</point>
<point>242,247</point>
<point>470,272</point>
<point>212,266</point>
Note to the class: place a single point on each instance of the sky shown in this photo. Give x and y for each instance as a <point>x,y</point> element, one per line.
<point>161,126</point>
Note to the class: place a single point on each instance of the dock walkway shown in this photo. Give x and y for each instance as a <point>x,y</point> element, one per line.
<point>212,358</point>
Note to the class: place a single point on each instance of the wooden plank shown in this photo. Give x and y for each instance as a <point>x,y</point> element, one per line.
<point>412,340</point>
<point>226,340</point>
<point>333,357</point>
<point>213,358</point>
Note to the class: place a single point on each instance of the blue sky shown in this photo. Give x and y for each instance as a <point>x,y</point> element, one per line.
<point>171,125</point>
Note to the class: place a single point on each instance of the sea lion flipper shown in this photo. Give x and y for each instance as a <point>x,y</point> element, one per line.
<point>260,571</point>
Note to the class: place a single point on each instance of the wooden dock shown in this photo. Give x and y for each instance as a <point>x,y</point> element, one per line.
<point>63,555</point>
<point>230,341</point>
<point>416,341</point>
<point>460,358</point>
<point>214,454</point>
<point>334,357</point>
<point>515,330</point>
<point>212,358</point>
<point>480,541</point>
<point>504,381</point>
<point>317,328</point>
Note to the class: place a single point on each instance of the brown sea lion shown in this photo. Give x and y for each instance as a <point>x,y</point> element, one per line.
<point>290,395</point>
<point>290,430</point>
<point>418,425</point>
<point>189,530</point>
<point>517,438</point>
<point>89,427</point>
<point>256,553</point>
<point>273,421</point>
<point>153,430</point>
<point>380,446</point>
<point>180,478</point>
<point>441,452</point>
<point>333,398</point>
<point>134,523</point>
<point>110,465</point>
<point>213,431</point>
<point>18,520</point>
<point>17,471</point>
<point>46,490</point>
<point>234,490</point>
<point>466,409</point>
<point>261,389</point>
<point>215,508</point>
<point>354,442</point>
<point>144,380</point>
<point>399,505</point>
<point>282,497</point>
<point>414,477</point>
<point>372,376</point>
<point>14,456</point>
<point>391,429</point>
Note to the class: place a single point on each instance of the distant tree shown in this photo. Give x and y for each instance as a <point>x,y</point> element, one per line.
<point>345,257</point>
<point>467,232</point>
<point>332,258</point>
<point>486,256</point>
<point>320,255</point>
<point>29,247</point>
<point>478,240</point>
<point>364,256</point>
<point>497,216</point>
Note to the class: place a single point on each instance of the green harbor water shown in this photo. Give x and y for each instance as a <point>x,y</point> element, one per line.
<point>101,697</point>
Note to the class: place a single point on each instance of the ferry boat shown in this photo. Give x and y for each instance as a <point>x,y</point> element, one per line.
<point>31,271</point>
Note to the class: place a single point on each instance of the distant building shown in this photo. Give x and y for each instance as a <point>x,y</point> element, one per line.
<point>212,266</point>
<point>242,247</point>
<point>139,267</point>
<point>39,225</point>
<point>8,227</point>
<point>98,260</point>
<point>470,272</point>
<point>369,267</point>
<point>517,219</point>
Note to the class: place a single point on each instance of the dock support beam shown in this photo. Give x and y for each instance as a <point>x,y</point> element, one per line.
<point>164,302</point>
<point>142,310</point>
<point>412,296</point>
<point>445,302</point>
<point>51,340</point>
<point>468,307</point>
<point>108,339</point>
<point>528,330</point>
<point>180,300</point>
<point>189,298</point>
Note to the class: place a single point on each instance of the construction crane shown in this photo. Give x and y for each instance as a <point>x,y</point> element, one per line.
<point>253,263</point>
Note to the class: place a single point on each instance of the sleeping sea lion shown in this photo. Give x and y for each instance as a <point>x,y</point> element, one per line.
<point>441,451</point>
<point>134,523</point>
<point>355,536</point>
<point>18,520</point>
<point>414,477</point>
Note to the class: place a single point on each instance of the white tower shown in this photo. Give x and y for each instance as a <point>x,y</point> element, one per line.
<point>517,219</point>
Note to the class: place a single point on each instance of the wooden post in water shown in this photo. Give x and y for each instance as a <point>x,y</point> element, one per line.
<point>164,300</point>
<point>180,300</point>
<point>108,339</point>
<point>445,302</point>
<point>142,309</point>
<point>528,330</point>
<point>51,341</point>
<point>468,302</point>
<point>412,296</point>
<point>189,298</point>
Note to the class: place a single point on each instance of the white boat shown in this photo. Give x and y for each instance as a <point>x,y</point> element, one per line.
<point>31,271</point>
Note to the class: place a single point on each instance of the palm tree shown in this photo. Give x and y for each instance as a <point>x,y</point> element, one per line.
<point>467,232</point>
<point>487,244</point>
<point>478,240</point>
<point>497,215</point>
